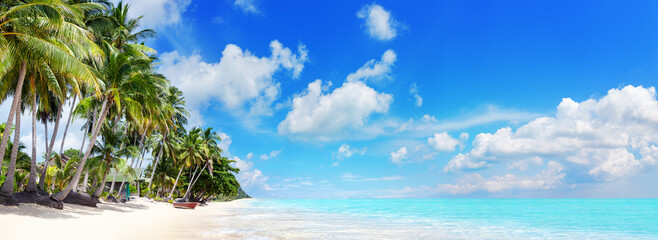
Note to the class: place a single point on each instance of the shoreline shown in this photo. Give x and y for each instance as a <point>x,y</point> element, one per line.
<point>137,219</point>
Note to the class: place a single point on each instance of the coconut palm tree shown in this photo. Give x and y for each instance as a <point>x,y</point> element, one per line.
<point>121,74</point>
<point>211,151</point>
<point>191,153</point>
<point>110,153</point>
<point>38,31</point>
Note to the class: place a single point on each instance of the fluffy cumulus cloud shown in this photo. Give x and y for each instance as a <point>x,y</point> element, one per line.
<point>325,116</point>
<point>248,6</point>
<point>463,162</point>
<point>446,143</point>
<point>398,156</point>
<point>375,71</point>
<point>240,81</point>
<point>524,164</point>
<point>612,137</point>
<point>379,23</point>
<point>157,13</point>
<point>249,177</point>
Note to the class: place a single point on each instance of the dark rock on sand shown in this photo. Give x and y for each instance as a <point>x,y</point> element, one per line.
<point>80,199</point>
<point>27,197</point>
<point>110,198</point>
<point>8,200</point>
<point>49,202</point>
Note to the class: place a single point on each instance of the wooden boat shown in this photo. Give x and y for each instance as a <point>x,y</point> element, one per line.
<point>186,205</point>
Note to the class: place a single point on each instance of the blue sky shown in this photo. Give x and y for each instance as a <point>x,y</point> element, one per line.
<point>424,99</point>
<point>362,99</point>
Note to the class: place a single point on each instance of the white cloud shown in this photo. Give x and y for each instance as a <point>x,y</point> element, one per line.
<point>326,116</point>
<point>225,142</point>
<point>525,163</point>
<point>272,154</point>
<point>348,177</point>
<point>346,151</point>
<point>375,71</point>
<point>378,22</point>
<point>463,162</point>
<point>398,156</point>
<point>241,82</point>
<point>490,114</point>
<point>157,13</point>
<point>248,6</point>
<point>601,135</point>
<point>414,92</point>
<point>551,177</point>
<point>444,142</point>
<point>249,177</point>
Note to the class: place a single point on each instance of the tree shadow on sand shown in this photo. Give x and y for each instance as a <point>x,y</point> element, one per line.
<point>69,211</point>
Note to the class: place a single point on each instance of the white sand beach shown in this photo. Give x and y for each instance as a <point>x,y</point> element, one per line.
<point>137,219</point>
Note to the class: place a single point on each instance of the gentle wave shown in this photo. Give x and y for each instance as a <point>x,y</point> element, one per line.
<point>440,219</point>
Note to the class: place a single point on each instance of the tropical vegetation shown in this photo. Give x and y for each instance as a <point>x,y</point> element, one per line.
<point>91,55</point>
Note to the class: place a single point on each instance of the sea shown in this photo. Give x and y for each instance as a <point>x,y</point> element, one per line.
<point>438,219</point>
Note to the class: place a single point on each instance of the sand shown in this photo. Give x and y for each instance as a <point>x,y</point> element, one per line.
<point>137,219</point>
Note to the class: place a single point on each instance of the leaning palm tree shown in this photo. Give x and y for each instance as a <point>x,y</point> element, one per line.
<point>41,31</point>
<point>110,153</point>
<point>120,72</point>
<point>35,32</point>
<point>191,153</point>
<point>211,152</point>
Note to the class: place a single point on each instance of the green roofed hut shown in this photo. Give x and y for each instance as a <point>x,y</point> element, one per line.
<point>129,179</point>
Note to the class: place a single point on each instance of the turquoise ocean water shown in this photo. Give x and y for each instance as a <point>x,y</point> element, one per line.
<point>442,219</point>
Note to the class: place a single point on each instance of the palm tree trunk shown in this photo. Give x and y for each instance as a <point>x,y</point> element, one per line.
<point>93,183</point>
<point>31,182</point>
<point>61,195</point>
<point>66,129</point>
<point>100,188</point>
<point>7,187</point>
<point>176,182</point>
<point>157,160</point>
<point>84,138</point>
<point>14,105</point>
<point>84,182</point>
<point>141,144</point>
<point>193,181</point>
<point>49,148</point>
<point>113,181</point>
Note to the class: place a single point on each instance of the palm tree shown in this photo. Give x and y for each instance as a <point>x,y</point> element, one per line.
<point>36,32</point>
<point>191,153</point>
<point>211,151</point>
<point>110,153</point>
<point>120,72</point>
